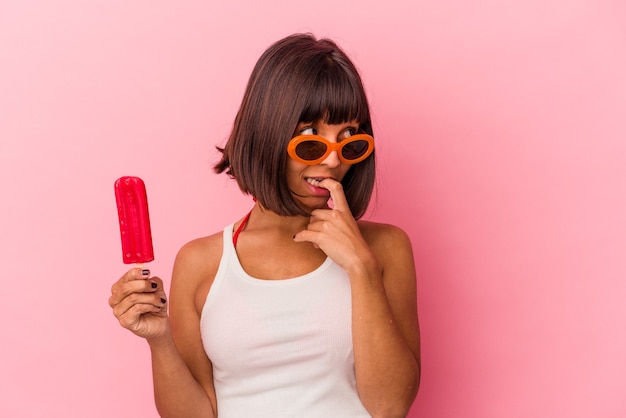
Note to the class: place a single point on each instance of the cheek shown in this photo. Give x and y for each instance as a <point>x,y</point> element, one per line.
<point>344,170</point>
<point>292,168</point>
<point>293,171</point>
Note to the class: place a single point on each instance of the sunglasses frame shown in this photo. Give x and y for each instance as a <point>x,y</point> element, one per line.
<point>330,147</point>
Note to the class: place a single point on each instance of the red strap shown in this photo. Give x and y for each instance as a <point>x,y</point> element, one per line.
<point>243,224</point>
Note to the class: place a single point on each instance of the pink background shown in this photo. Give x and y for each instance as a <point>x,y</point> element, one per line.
<point>500,129</point>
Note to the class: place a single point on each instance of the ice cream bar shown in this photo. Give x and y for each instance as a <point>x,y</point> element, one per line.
<point>132,209</point>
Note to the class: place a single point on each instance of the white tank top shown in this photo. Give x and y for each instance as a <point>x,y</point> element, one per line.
<point>280,348</point>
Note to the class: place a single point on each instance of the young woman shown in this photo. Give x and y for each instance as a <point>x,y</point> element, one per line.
<point>299,309</point>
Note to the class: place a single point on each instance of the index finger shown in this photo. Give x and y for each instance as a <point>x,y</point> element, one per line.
<point>134,281</point>
<point>336,194</point>
<point>137,273</point>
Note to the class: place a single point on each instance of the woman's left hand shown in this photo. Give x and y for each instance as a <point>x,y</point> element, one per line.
<point>336,232</point>
<point>385,329</point>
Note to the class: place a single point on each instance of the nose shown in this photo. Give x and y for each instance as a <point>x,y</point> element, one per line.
<point>332,160</point>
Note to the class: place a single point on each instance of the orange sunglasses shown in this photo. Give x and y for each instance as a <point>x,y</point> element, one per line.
<point>313,149</point>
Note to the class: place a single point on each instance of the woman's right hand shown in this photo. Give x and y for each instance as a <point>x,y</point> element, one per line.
<point>140,304</point>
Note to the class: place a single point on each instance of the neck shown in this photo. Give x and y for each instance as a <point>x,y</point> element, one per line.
<point>262,218</point>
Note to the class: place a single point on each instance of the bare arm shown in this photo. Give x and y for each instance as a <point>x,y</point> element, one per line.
<point>184,383</point>
<point>176,391</point>
<point>385,331</point>
<point>182,373</point>
<point>385,327</point>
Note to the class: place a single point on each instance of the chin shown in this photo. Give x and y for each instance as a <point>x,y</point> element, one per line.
<point>309,204</point>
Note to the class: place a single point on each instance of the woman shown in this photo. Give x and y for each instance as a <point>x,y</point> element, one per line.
<point>298,309</point>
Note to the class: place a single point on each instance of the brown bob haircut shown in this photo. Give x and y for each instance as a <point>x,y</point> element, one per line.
<point>297,79</point>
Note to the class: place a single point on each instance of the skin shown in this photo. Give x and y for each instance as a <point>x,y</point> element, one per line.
<point>377,257</point>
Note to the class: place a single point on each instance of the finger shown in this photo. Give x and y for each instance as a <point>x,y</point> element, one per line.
<point>140,303</point>
<point>122,289</point>
<point>336,194</point>
<point>132,318</point>
<point>136,273</point>
<point>130,275</point>
<point>308,235</point>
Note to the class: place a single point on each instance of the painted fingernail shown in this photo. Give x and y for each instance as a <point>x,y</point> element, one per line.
<point>145,272</point>
<point>154,285</point>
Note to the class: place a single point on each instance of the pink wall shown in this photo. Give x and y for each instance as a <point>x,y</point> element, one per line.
<point>501,135</point>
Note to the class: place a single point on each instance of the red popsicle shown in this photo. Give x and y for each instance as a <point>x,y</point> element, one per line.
<point>132,209</point>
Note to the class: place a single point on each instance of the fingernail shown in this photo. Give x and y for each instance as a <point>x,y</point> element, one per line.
<point>163,300</point>
<point>154,285</point>
<point>145,272</point>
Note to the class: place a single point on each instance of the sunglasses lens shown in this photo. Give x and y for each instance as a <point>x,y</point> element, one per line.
<point>354,149</point>
<point>310,150</point>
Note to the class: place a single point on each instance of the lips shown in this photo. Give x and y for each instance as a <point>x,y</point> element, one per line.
<point>315,186</point>
<point>315,181</point>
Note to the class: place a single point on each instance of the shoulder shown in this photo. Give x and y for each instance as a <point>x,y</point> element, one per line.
<point>198,253</point>
<point>380,236</point>
<point>195,267</point>
<point>392,247</point>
